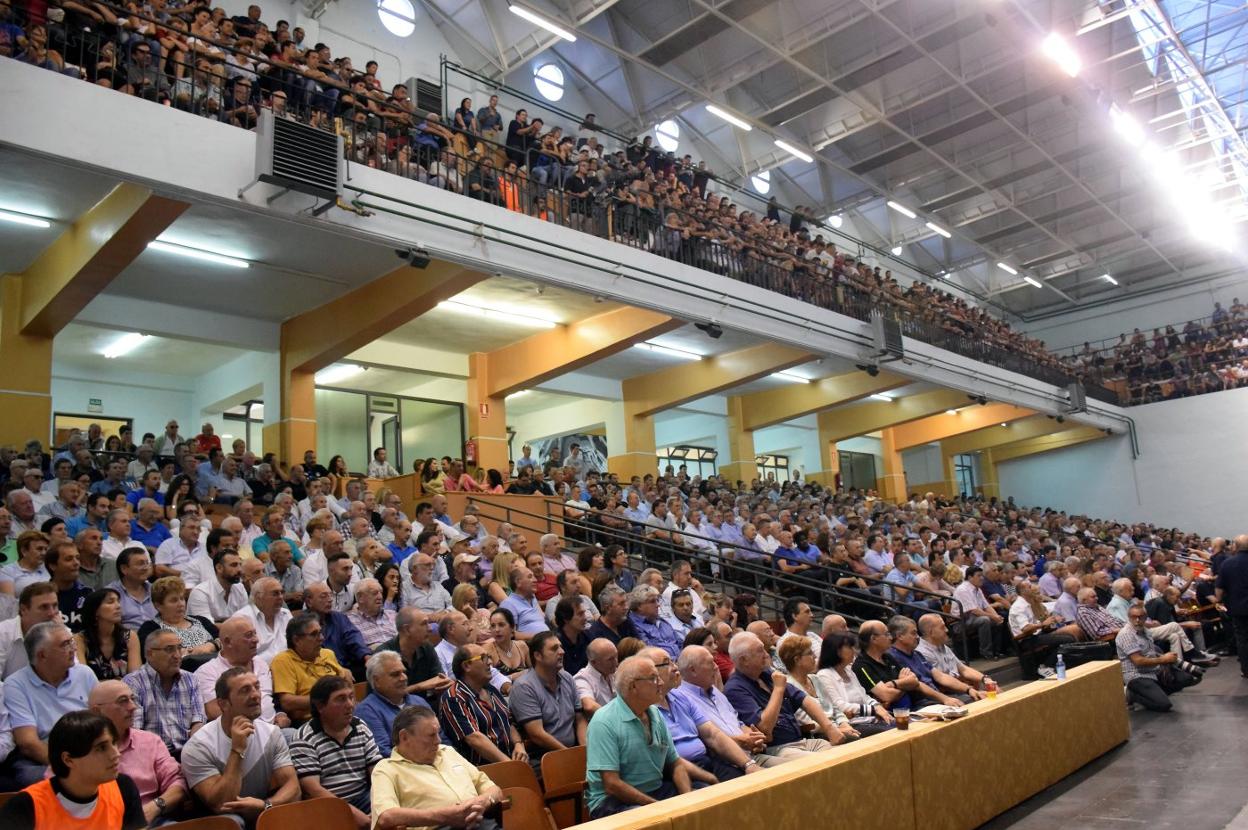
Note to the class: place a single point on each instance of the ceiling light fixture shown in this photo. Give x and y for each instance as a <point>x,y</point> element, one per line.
<point>729,117</point>
<point>1058,50</point>
<point>896,249</point>
<point>902,209</point>
<point>1007,269</point>
<point>1109,279</point>
<point>793,151</point>
<point>337,372</point>
<point>538,20</point>
<point>124,345</point>
<point>667,350</point>
<point>934,228</point>
<point>790,376</point>
<point>836,220</point>
<point>1126,126</point>
<point>197,253</point>
<point>1004,424</point>
<point>24,219</point>
<point>1032,281</point>
<point>497,314</point>
<point>951,412</point>
<point>882,396</point>
<point>517,394</point>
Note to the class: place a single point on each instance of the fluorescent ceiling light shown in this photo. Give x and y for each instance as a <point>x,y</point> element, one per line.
<point>902,209</point>
<point>729,117</point>
<point>497,314</point>
<point>835,220</point>
<point>24,219</point>
<point>538,20</point>
<point>896,249</point>
<point>1058,50</point>
<point>951,412</point>
<point>882,396</point>
<point>124,345</point>
<point>1126,126</point>
<point>518,394</point>
<point>932,226</point>
<point>1007,269</point>
<point>1032,281</point>
<point>667,350</point>
<point>197,253</point>
<point>337,372</point>
<point>1109,279</point>
<point>793,151</point>
<point>1004,424</point>
<point>790,376</point>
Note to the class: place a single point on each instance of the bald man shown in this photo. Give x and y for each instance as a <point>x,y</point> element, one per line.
<point>833,624</point>
<point>239,645</point>
<point>144,756</point>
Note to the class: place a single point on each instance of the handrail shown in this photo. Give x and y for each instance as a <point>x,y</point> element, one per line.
<point>759,575</point>
<point>1205,323</point>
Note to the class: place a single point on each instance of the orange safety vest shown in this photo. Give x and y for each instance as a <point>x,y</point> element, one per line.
<point>511,194</point>
<point>109,810</point>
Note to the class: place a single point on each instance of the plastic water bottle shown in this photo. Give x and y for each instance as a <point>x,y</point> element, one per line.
<point>1061,667</point>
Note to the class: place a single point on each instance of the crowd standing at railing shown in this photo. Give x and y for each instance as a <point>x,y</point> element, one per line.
<point>195,58</point>
<point>205,616</point>
<point>1194,358</point>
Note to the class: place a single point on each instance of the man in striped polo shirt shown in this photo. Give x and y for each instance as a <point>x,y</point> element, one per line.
<point>334,753</point>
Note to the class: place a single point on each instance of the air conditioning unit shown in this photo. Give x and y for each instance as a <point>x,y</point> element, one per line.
<point>428,96</point>
<point>1077,400</point>
<point>295,156</point>
<point>886,334</point>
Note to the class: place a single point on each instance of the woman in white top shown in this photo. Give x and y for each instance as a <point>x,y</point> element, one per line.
<point>838,686</point>
<point>798,655</point>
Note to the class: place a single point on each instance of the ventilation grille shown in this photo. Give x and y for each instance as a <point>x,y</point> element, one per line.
<point>428,97</point>
<point>299,157</point>
<point>1077,397</point>
<point>886,332</point>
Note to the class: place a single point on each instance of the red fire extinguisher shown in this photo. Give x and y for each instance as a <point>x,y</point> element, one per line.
<point>470,452</point>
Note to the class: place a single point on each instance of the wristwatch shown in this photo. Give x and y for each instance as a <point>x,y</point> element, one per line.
<point>268,805</point>
<point>160,805</point>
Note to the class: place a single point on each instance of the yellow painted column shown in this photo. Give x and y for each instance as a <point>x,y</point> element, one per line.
<point>829,456</point>
<point>25,373</point>
<point>951,475</point>
<point>638,456</point>
<point>988,486</point>
<point>893,482</point>
<point>487,415</point>
<point>742,467</point>
<point>296,431</point>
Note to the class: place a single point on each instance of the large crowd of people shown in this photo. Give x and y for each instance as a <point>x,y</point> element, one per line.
<point>1200,356</point>
<point>191,645</point>
<point>196,58</point>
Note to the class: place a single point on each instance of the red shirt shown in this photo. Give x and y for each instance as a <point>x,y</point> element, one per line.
<point>204,443</point>
<point>725,664</point>
<point>546,588</point>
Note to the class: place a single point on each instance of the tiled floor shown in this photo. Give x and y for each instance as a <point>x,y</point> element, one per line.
<point>1184,769</point>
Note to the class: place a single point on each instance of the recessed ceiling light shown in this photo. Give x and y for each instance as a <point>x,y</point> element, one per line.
<point>896,250</point>
<point>24,219</point>
<point>124,345</point>
<point>337,372</point>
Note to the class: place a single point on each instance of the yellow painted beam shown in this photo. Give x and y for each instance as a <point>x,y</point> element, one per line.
<point>565,349</point>
<point>1046,443</point>
<point>994,436</point>
<point>843,423</point>
<point>89,254</point>
<point>742,466</point>
<point>893,482</point>
<point>775,406</point>
<point>671,387</point>
<point>25,373</point>
<point>942,426</point>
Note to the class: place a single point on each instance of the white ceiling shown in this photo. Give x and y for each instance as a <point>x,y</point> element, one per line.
<point>80,347</point>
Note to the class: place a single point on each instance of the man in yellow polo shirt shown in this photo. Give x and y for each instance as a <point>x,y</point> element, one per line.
<point>424,784</point>
<point>303,662</point>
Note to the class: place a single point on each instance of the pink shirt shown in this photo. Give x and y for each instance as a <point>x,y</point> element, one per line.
<point>146,759</point>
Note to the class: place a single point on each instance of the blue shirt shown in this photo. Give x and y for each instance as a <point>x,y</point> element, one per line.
<point>135,496</point>
<point>343,639</point>
<point>683,719</point>
<point>799,556</point>
<point>80,523</point>
<point>104,487</point>
<point>31,701</point>
<point>528,614</point>
<point>599,630</point>
<point>896,577</point>
<point>149,538</point>
<point>378,715</point>
<point>261,544</point>
<point>659,633</point>
<point>398,554</point>
<point>751,697</point>
<point>878,561</point>
<point>915,662</point>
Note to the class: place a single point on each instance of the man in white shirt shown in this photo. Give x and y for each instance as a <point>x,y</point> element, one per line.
<point>379,467</point>
<point>595,683</point>
<point>269,616</point>
<point>798,619</point>
<point>682,578</point>
<point>118,535</point>
<point>177,555</point>
<point>223,595</point>
<point>315,564</point>
<point>238,648</point>
<point>979,617</point>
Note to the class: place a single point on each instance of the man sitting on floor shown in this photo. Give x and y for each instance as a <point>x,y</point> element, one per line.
<point>1151,677</point>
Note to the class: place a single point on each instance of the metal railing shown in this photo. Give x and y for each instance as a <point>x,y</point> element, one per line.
<point>771,585</point>
<point>197,78</point>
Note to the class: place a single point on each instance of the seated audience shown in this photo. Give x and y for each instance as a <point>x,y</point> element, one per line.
<point>134,567</point>
<point>369,616</point>
<point>425,673</point>
<point>544,703</point>
<point>269,616</point>
<point>474,714</point>
<point>167,696</point>
<point>297,669</point>
<point>223,595</point>
<point>511,656</point>
<point>570,624</point>
<point>950,674</point>
<point>239,648</point>
<point>37,603</point>
<point>595,683</point>
<point>523,605</point>
<point>643,607</point>
<point>797,654</point>
<point>104,644</point>
<point>337,633</point>
<point>904,654</point>
<point>334,753</point>
<point>615,623</point>
<point>198,634</point>
<point>388,695</point>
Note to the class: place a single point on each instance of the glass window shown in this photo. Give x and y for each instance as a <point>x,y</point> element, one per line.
<point>761,181</point>
<point>697,461</point>
<point>430,429</point>
<point>341,427</point>
<point>245,421</point>
<point>398,16</point>
<point>857,469</point>
<point>549,81</point>
<point>964,471</point>
<point>668,135</point>
<point>773,466</point>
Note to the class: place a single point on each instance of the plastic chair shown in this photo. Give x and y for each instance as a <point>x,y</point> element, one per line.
<point>563,773</point>
<point>323,813</point>
<point>361,691</point>
<point>526,811</point>
<point>205,823</point>
<point>513,774</point>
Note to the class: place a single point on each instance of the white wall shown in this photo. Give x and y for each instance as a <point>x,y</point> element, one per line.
<point>922,465</point>
<point>1192,472</point>
<point>575,416</point>
<point>798,439</point>
<point>150,399</point>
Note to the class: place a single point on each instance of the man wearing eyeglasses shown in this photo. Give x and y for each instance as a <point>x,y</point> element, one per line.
<point>474,714</point>
<point>144,756</point>
<point>630,757</point>
<point>168,697</point>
